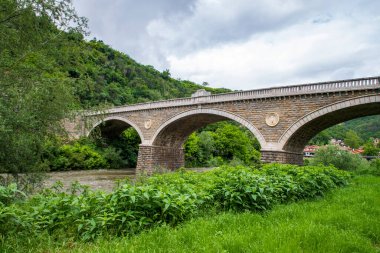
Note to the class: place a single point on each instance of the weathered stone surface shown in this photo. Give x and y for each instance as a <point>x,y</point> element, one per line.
<point>302,110</point>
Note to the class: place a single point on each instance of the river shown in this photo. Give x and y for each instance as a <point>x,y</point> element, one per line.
<point>97,179</point>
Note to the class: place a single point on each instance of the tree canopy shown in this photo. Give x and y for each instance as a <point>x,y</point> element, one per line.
<point>34,97</point>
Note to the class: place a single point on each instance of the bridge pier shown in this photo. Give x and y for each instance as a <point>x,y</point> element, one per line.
<point>272,156</point>
<point>151,158</point>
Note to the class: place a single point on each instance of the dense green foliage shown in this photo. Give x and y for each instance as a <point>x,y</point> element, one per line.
<point>372,168</point>
<point>88,153</point>
<point>341,159</point>
<point>221,143</point>
<point>371,149</point>
<point>125,147</point>
<point>346,220</point>
<point>10,194</point>
<point>33,95</point>
<point>104,75</point>
<point>77,157</point>
<point>164,199</point>
<point>354,132</point>
<point>344,160</point>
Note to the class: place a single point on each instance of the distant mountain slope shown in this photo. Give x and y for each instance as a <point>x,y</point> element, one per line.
<point>365,127</point>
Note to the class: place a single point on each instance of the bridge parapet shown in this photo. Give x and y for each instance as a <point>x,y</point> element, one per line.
<point>283,91</point>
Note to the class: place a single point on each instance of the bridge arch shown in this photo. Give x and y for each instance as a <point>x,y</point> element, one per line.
<point>295,138</point>
<point>175,131</point>
<point>114,126</point>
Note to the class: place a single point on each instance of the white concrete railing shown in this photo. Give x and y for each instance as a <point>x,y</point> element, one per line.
<point>322,87</point>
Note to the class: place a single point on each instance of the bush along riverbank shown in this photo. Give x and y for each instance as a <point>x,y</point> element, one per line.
<point>161,199</point>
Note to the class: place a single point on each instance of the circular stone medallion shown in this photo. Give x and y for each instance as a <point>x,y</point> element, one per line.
<point>148,124</point>
<point>272,119</point>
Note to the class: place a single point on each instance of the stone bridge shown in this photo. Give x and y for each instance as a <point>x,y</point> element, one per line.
<point>283,119</point>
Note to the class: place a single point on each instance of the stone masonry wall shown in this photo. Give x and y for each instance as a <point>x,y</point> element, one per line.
<point>151,158</point>
<point>281,157</point>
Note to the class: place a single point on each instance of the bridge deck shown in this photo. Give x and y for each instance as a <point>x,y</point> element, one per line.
<point>290,90</point>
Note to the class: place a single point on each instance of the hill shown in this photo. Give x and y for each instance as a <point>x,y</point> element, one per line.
<point>363,128</point>
<point>103,75</point>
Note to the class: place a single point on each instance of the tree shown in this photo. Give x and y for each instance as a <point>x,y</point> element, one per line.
<point>199,149</point>
<point>221,142</point>
<point>370,149</point>
<point>232,142</point>
<point>352,139</point>
<point>33,97</point>
<point>322,138</point>
<point>166,74</point>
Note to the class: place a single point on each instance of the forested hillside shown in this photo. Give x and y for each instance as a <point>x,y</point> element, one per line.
<point>104,75</point>
<point>358,131</point>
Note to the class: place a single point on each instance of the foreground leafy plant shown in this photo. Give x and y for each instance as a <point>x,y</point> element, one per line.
<point>166,199</point>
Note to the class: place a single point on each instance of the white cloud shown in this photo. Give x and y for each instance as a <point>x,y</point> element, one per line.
<point>214,22</point>
<point>244,44</point>
<point>305,52</point>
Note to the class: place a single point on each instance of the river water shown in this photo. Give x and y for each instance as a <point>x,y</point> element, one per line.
<point>104,180</point>
<point>97,179</point>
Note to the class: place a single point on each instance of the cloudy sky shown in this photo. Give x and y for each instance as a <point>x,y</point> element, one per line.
<point>243,44</point>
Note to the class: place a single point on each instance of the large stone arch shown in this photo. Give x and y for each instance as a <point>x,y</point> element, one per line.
<point>164,149</point>
<point>116,125</point>
<point>173,132</point>
<point>299,133</point>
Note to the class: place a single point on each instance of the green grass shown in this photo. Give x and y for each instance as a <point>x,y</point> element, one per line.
<point>346,220</point>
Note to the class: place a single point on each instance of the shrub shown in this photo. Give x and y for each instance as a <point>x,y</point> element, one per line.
<point>9,193</point>
<point>221,143</point>
<point>113,158</point>
<point>375,167</point>
<point>341,159</point>
<point>215,161</point>
<point>78,157</point>
<point>372,169</point>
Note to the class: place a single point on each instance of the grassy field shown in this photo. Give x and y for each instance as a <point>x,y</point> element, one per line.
<point>345,220</point>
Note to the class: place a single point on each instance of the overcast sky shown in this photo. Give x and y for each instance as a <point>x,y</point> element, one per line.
<point>243,44</point>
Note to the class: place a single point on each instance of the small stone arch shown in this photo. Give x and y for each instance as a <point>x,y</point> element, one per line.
<point>117,118</point>
<point>364,105</point>
<point>220,113</point>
